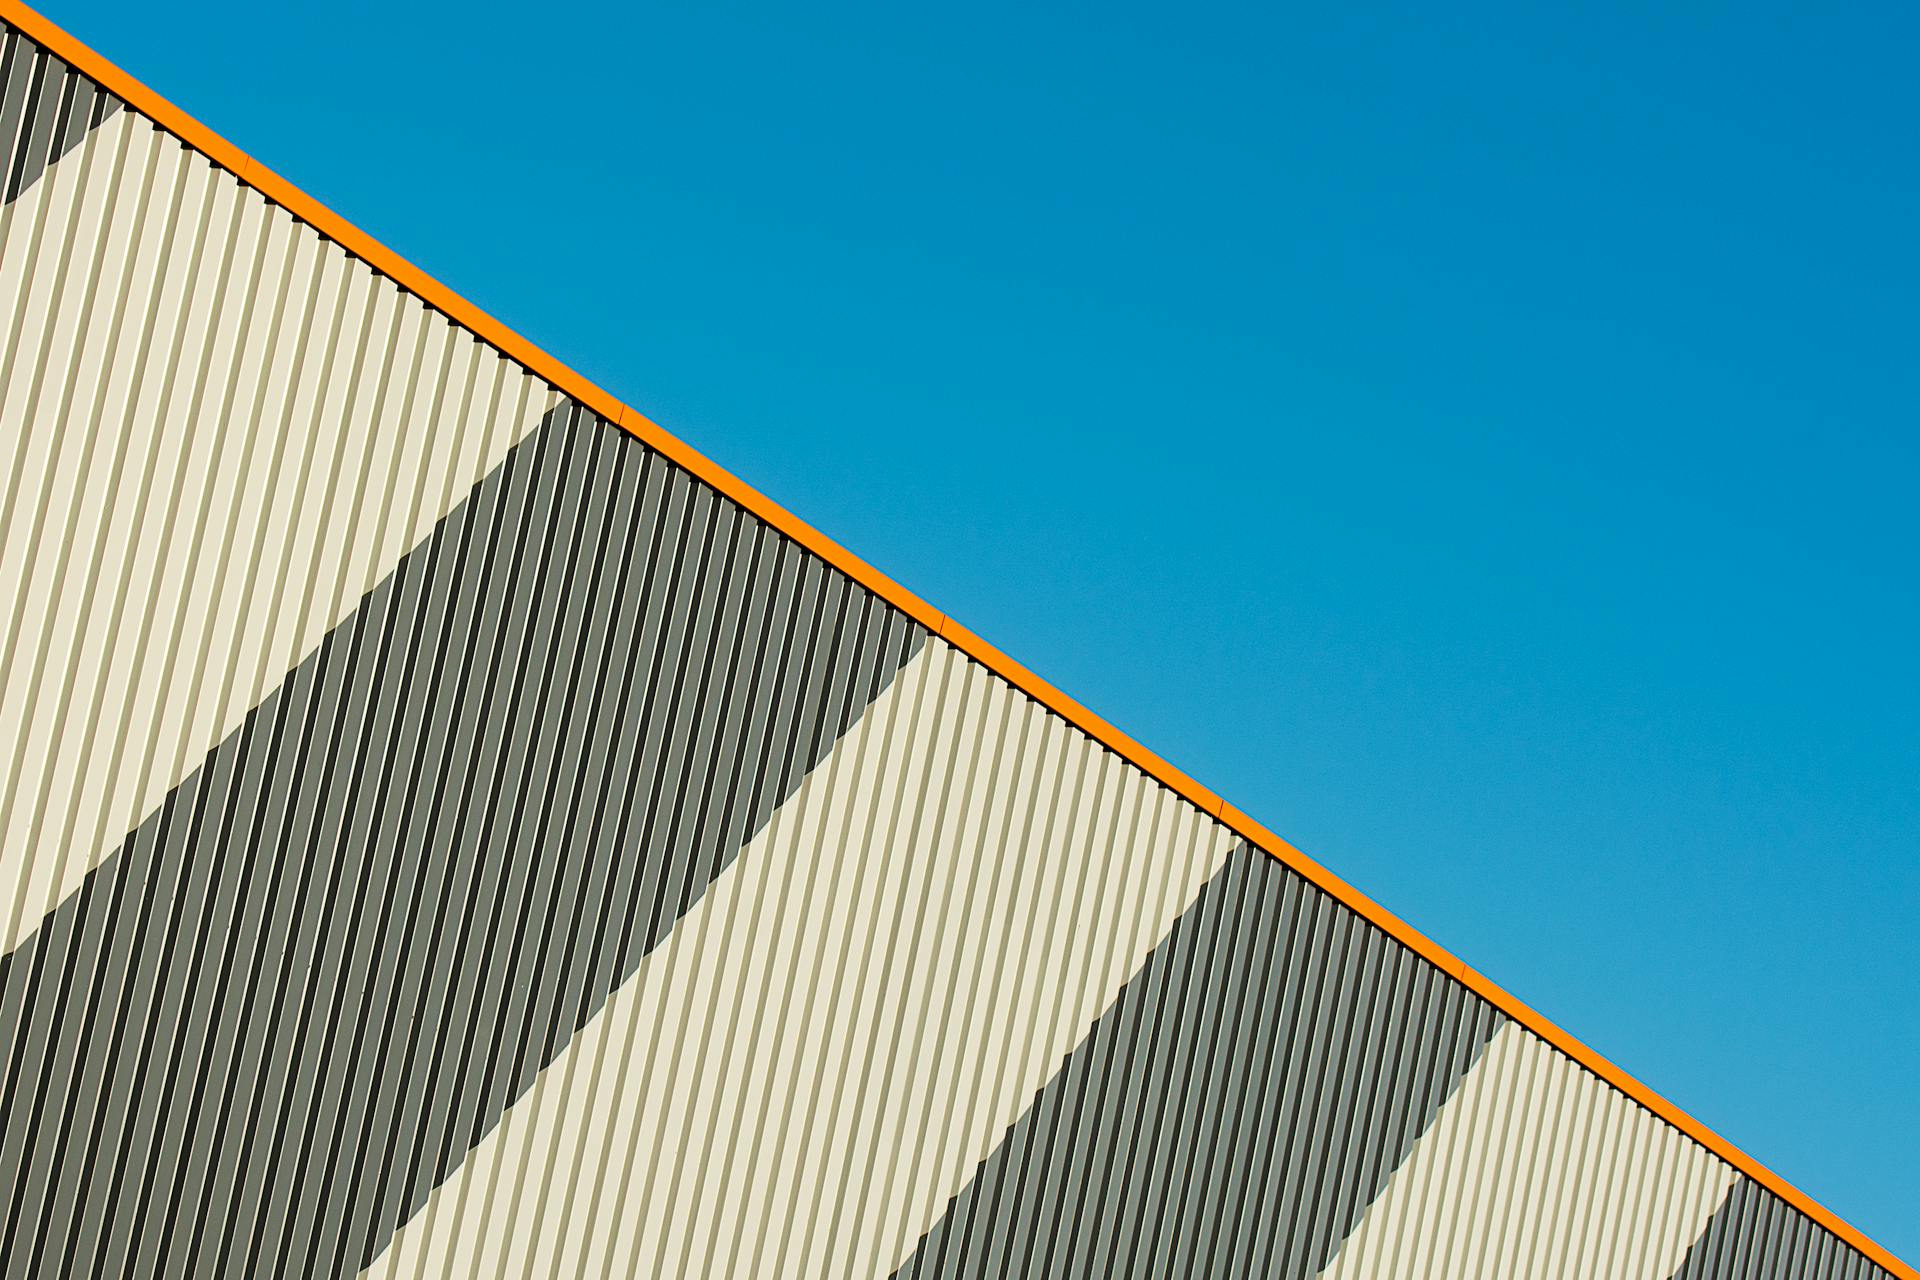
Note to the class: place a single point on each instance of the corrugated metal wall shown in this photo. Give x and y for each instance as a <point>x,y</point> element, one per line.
<point>443,838</point>
<point>220,433</point>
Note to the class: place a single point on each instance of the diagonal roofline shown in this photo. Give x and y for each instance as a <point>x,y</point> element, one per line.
<point>277,189</point>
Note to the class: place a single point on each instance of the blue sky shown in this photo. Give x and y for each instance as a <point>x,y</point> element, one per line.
<point>1482,445</point>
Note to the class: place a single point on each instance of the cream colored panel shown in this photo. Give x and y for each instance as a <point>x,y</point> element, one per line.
<point>816,1058</point>
<point>217,432</point>
<point>1536,1168</point>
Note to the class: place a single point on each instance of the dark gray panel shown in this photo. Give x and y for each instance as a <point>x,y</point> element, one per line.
<point>270,1024</point>
<point>1237,1108</point>
<point>46,109</point>
<point>1757,1236</point>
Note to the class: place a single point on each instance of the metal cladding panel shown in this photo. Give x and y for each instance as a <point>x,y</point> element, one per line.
<point>442,836</point>
<point>221,431</point>
<point>456,845</point>
<point>1234,1110</point>
<point>1534,1167</point>
<point>802,1074</point>
<point>1755,1235</point>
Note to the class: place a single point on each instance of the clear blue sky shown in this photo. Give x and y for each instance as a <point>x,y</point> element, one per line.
<point>1482,445</point>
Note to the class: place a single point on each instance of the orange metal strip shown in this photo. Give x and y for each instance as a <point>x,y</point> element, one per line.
<point>330,224</point>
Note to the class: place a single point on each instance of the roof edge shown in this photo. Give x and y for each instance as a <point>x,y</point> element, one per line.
<point>441,298</point>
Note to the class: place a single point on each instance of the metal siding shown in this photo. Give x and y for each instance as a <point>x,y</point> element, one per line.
<point>47,107</point>
<point>1114,1171</point>
<point>869,966</point>
<point>1534,1167</point>
<point>450,818</point>
<point>1754,1236</point>
<point>221,432</point>
<point>812,1061</point>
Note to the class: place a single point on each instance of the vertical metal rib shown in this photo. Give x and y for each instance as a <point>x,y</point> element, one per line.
<point>417,869</point>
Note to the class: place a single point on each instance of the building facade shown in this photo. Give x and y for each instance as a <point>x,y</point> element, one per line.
<point>452,829</point>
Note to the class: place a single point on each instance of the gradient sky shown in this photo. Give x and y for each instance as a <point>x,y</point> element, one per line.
<point>1480,445</point>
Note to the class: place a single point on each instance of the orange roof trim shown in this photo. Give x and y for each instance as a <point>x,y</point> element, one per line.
<point>437,295</point>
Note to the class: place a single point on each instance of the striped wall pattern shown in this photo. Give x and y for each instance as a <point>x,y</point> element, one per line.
<point>453,861</point>
<point>809,1066</point>
<point>1756,1235</point>
<point>220,432</point>
<point>441,837</point>
<point>1535,1167</point>
<point>47,107</point>
<point>1234,1111</point>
